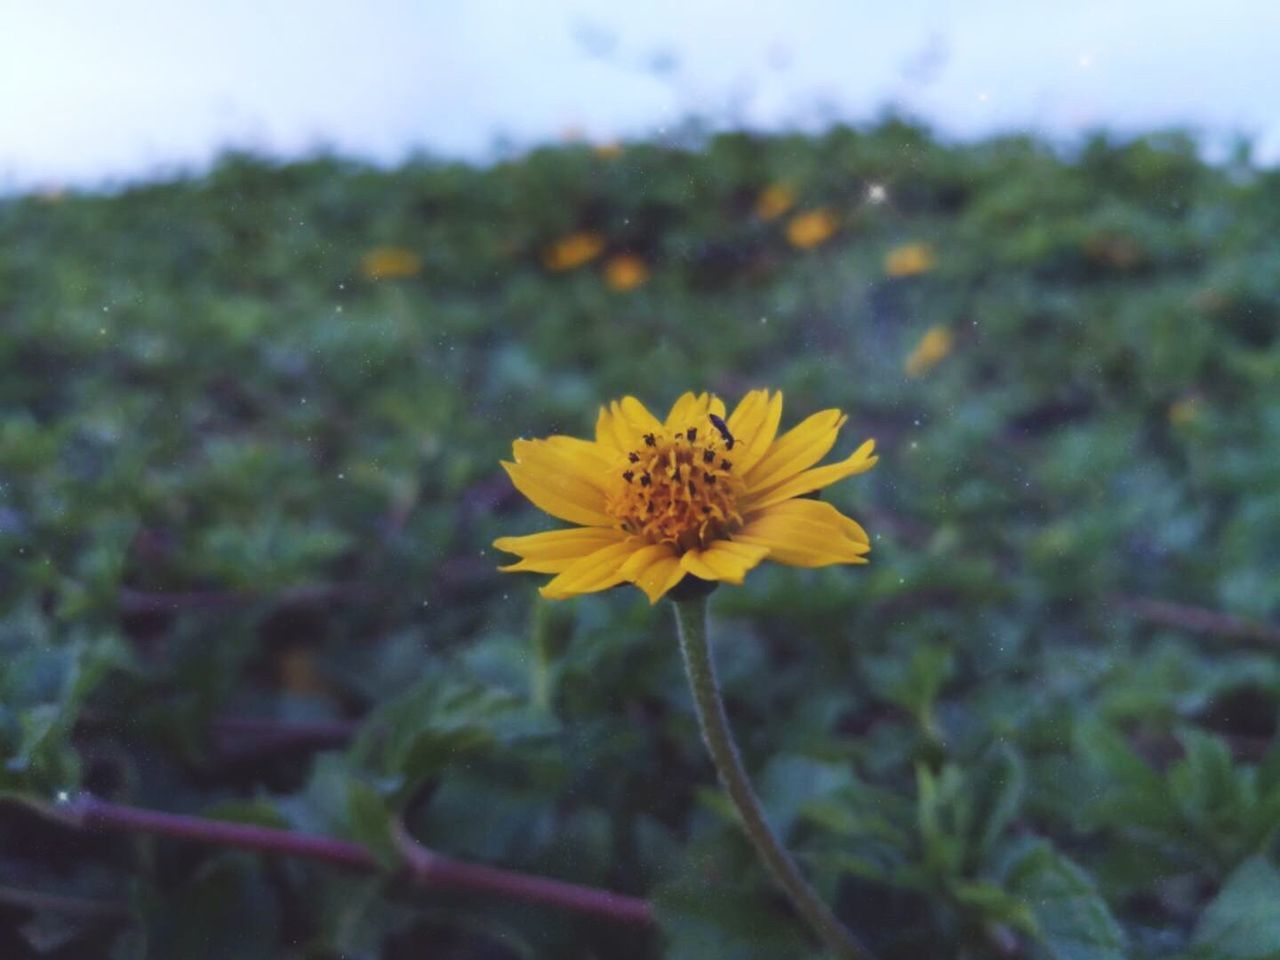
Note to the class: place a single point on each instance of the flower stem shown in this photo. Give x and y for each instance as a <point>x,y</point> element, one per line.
<point>691,623</point>
<point>426,868</point>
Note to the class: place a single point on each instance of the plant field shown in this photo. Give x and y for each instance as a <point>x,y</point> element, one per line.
<point>250,433</point>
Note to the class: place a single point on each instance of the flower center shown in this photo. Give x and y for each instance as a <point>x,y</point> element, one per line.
<point>679,489</point>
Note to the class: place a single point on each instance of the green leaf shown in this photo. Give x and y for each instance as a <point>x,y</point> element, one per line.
<point>1203,783</point>
<point>1243,921</point>
<point>371,823</point>
<point>1129,791</point>
<point>998,784</point>
<point>995,904</point>
<point>1071,921</point>
<point>258,812</point>
<point>725,920</point>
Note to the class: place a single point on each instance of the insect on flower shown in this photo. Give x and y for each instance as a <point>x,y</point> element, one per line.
<point>700,494</point>
<point>723,429</point>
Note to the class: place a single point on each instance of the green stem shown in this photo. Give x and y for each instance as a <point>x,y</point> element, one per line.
<point>691,622</point>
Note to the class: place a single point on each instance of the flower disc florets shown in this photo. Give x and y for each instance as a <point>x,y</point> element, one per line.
<point>678,489</point>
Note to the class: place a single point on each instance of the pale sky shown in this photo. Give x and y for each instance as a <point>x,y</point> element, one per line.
<point>93,93</point>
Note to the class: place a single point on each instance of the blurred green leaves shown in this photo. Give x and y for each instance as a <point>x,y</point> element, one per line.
<point>241,476</point>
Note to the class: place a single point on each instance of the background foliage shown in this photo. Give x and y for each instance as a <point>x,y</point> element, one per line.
<point>249,433</point>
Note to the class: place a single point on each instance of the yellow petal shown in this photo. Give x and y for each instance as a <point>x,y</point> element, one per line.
<point>654,569</point>
<point>598,570</point>
<point>561,495</point>
<point>806,533</point>
<point>726,560</point>
<point>587,452</point>
<point>660,578</point>
<point>555,550</point>
<point>689,408</point>
<point>754,424</point>
<point>810,480</point>
<point>798,449</point>
<point>574,460</point>
<point>613,431</point>
<point>638,416</point>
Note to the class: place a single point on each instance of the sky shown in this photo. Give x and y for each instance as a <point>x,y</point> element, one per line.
<point>96,94</point>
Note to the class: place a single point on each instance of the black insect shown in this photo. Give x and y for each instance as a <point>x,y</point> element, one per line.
<point>723,429</point>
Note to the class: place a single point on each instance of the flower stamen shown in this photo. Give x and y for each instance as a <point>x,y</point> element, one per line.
<point>686,496</point>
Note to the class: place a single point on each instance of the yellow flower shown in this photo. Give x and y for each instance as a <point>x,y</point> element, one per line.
<point>625,272</point>
<point>909,260</point>
<point>811,228</point>
<point>697,495</point>
<point>774,200</point>
<point>609,150</point>
<point>390,263</point>
<point>1114,251</point>
<point>573,251</point>
<point>1184,410</point>
<point>932,349</point>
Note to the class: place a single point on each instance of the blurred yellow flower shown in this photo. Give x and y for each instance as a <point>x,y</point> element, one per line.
<point>705,493</point>
<point>1209,300</point>
<point>1184,410</point>
<point>390,263</point>
<point>929,352</point>
<point>573,251</point>
<point>609,150</point>
<point>811,228</point>
<point>1114,251</point>
<point>299,672</point>
<point>625,272</point>
<point>774,200</point>
<point>909,260</point>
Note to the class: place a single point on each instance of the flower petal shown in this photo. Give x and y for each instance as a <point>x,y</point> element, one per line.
<point>688,409</point>
<point>654,569</point>
<point>575,460</point>
<point>638,416</point>
<point>598,570</point>
<point>754,424</point>
<point>726,560</point>
<point>806,533</point>
<point>561,495</point>
<point>810,480</point>
<point>613,431</point>
<point>798,449</point>
<point>660,578</point>
<point>555,550</point>
<point>691,410</point>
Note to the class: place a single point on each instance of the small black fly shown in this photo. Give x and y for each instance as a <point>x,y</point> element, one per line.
<point>723,429</point>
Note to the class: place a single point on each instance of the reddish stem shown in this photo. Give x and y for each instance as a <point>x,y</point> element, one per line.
<point>244,737</point>
<point>151,602</point>
<point>1197,619</point>
<point>426,868</point>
